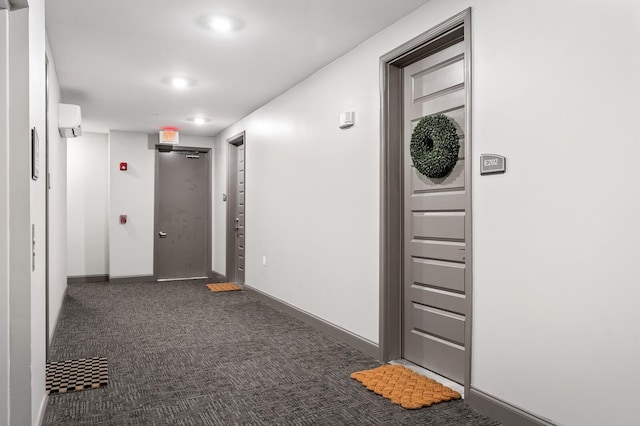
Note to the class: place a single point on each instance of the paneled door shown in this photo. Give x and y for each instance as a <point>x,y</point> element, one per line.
<point>434,305</point>
<point>182,229</point>
<point>236,212</point>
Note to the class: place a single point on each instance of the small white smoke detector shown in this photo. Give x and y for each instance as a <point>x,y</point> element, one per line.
<point>347,119</point>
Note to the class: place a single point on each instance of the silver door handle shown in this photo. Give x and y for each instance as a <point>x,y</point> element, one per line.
<point>162,234</point>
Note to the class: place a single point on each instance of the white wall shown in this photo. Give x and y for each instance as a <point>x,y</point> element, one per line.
<point>312,196</point>
<point>131,192</point>
<point>23,202</point>
<point>37,106</point>
<point>555,89</point>
<point>20,221</point>
<point>555,293</point>
<point>57,227</point>
<point>87,205</point>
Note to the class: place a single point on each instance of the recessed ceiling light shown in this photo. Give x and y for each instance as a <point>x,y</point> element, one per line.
<point>199,120</point>
<point>221,24</point>
<point>179,82</point>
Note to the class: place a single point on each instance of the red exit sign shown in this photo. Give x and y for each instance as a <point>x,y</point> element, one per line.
<point>169,137</point>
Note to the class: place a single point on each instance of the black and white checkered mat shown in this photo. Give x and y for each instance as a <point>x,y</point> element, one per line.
<point>76,375</point>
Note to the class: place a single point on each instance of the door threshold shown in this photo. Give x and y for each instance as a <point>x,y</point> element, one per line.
<point>182,279</point>
<point>430,374</point>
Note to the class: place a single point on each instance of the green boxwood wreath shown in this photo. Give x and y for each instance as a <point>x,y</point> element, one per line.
<point>434,146</point>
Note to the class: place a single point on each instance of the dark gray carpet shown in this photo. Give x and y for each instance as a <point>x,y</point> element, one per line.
<point>181,355</point>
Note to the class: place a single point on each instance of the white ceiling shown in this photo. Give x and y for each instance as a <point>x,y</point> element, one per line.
<point>112,56</point>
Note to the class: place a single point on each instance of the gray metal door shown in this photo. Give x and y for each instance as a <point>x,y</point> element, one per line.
<point>239,213</point>
<point>434,306</point>
<point>236,209</point>
<point>182,229</point>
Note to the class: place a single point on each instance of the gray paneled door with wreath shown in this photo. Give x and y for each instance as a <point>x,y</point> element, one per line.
<point>434,305</point>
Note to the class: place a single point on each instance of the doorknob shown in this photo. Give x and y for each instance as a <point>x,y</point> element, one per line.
<point>162,234</point>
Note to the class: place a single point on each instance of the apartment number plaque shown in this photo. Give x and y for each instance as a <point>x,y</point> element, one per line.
<point>492,164</point>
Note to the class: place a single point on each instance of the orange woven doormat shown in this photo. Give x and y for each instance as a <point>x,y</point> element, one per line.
<point>404,387</point>
<point>223,287</point>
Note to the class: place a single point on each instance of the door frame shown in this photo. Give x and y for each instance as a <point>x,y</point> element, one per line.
<point>156,225</point>
<point>5,333</point>
<point>235,140</point>
<point>47,202</point>
<point>391,181</point>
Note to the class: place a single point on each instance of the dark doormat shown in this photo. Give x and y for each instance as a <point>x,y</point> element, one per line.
<point>405,387</point>
<point>224,287</point>
<point>76,375</point>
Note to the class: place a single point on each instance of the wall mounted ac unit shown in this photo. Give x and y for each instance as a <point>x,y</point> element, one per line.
<point>69,119</point>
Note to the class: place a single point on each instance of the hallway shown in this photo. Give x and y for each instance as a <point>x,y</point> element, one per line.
<point>181,355</point>
<point>518,276</point>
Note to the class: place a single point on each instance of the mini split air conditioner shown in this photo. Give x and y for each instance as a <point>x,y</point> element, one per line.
<point>69,120</point>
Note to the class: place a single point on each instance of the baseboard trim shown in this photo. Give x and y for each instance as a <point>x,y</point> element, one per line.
<point>83,279</point>
<point>218,277</point>
<point>43,409</point>
<point>318,323</point>
<point>133,279</point>
<point>55,329</point>
<point>502,411</point>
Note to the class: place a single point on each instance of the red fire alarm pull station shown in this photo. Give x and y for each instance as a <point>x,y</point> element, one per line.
<point>123,219</point>
<point>123,166</point>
